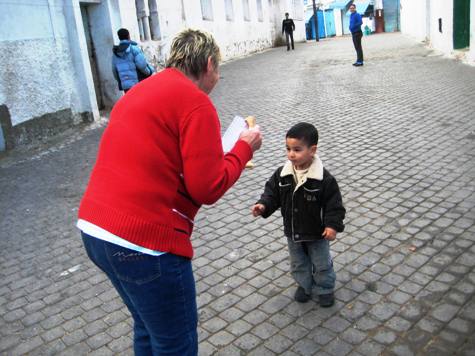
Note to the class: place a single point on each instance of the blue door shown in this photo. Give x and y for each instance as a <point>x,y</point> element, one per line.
<point>311,26</point>
<point>391,15</point>
<point>330,22</point>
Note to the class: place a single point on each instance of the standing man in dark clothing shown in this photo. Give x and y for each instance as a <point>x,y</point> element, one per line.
<point>288,27</point>
<point>357,34</point>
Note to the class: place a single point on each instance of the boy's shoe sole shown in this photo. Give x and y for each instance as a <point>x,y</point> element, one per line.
<point>326,300</point>
<point>300,295</point>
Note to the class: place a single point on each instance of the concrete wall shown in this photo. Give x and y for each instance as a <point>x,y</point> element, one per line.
<point>420,20</point>
<point>38,76</point>
<point>35,57</point>
<point>471,52</point>
<point>443,41</point>
<point>56,65</point>
<point>414,18</point>
<point>338,22</point>
<point>235,37</point>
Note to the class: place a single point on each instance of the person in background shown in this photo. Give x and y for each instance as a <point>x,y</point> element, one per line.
<point>288,27</point>
<point>129,64</point>
<point>356,33</point>
<point>160,159</point>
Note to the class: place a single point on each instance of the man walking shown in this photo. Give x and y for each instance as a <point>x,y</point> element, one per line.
<point>288,27</point>
<point>129,65</point>
<point>357,34</point>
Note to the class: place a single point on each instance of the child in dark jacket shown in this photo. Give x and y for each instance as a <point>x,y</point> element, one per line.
<point>312,209</point>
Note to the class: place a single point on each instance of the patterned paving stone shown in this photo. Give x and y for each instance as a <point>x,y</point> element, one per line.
<point>398,135</point>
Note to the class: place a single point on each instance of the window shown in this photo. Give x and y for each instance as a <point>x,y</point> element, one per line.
<point>207,10</point>
<point>228,4</point>
<point>246,10</point>
<point>260,16</point>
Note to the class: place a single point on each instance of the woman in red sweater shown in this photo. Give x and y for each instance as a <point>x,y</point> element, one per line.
<point>159,160</point>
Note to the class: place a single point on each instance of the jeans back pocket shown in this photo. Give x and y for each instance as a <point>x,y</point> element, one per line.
<point>133,266</point>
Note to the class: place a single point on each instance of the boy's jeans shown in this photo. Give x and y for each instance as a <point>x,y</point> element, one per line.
<point>311,264</point>
<point>159,292</point>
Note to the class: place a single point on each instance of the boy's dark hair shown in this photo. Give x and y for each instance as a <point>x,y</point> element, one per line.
<point>123,34</point>
<point>305,132</point>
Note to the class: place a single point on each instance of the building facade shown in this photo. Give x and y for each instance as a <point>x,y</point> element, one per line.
<point>448,26</point>
<point>56,54</point>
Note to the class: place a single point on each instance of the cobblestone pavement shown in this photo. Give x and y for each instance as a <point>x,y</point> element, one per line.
<point>399,136</point>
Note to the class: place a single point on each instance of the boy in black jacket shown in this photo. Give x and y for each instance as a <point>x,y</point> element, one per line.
<point>313,212</point>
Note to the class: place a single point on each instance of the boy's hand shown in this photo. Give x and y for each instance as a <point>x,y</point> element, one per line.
<point>329,234</point>
<point>258,209</point>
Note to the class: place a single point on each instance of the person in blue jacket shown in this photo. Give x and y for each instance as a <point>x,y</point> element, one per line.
<point>355,29</point>
<point>129,64</point>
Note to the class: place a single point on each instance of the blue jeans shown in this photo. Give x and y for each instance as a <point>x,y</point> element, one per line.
<point>311,265</point>
<point>159,292</point>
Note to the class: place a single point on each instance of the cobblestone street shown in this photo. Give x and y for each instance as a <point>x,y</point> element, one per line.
<point>399,136</point>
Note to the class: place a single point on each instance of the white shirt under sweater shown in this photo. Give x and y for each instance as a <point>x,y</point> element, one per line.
<point>101,234</point>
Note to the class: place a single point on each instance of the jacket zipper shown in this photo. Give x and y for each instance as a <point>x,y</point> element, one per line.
<point>292,216</point>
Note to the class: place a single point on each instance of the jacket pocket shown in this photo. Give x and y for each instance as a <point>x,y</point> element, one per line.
<point>311,195</point>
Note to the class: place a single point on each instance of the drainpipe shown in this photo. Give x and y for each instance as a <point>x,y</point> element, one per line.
<point>143,14</point>
<point>324,23</point>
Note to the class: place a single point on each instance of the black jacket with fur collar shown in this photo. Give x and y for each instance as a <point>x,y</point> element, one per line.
<point>307,208</point>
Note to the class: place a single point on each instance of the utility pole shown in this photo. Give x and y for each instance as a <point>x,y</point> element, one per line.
<point>315,16</point>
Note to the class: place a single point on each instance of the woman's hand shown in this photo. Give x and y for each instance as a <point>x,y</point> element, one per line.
<point>253,137</point>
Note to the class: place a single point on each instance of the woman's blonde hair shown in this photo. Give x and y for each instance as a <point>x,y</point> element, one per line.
<point>190,51</point>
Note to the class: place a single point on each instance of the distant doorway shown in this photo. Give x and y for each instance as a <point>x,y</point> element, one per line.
<point>91,50</point>
<point>461,24</point>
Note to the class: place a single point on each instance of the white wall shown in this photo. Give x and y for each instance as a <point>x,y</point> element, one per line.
<point>338,23</point>
<point>442,41</point>
<point>235,38</point>
<point>44,57</point>
<point>38,75</point>
<point>414,18</point>
<point>420,20</point>
<point>471,53</point>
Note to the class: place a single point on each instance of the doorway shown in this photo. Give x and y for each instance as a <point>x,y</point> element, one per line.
<point>461,24</point>
<point>91,50</point>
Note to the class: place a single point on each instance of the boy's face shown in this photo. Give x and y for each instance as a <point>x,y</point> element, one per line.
<point>299,153</point>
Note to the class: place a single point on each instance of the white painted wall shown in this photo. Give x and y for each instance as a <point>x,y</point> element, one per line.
<point>235,38</point>
<point>38,75</point>
<point>44,54</point>
<point>338,22</point>
<point>442,41</point>
<point>471,52</point>
<point>414,18</point>
<point>420,20</point>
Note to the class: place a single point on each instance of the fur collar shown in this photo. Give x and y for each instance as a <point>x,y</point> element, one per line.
<point>315,171</point>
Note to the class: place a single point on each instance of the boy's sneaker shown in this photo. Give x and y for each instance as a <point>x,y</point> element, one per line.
<point>326,300</point>
<point>300,295</point>
<point>358,64</point>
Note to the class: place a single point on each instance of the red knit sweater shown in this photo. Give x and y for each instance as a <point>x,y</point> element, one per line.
<point>159,160</point>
